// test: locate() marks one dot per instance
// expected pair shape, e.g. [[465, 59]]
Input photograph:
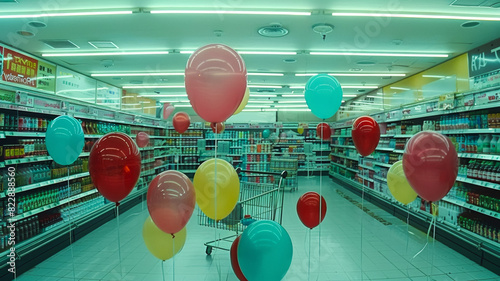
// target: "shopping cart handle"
[[282, 174]]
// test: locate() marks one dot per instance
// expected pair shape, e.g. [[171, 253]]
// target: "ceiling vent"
[[273, 30], [60, 44], [37, 24], [103, 44]]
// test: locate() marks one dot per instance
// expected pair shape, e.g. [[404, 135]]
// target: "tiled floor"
[[354, 246]]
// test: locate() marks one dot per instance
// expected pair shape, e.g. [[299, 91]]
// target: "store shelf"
[[486, 184], [147, 173], [382, 164], [184, 164], [51, 206], [234, 147], [185, 138], [148, 161], [386, 136], [222, 139], [341, 136], [256, 162], [346, 157], [399, 151], [402, 136], [177, 146], [24, 134], [479, 156], [146, 148], [367, 167], [365, 178], [161, 156], [470, 131], [32, 159], [384, 149], [379, 178], [162, 166], [345, 167], [321, 150], [345, 146], [478, 209], [160, 147], [252, 153], [45, 183]]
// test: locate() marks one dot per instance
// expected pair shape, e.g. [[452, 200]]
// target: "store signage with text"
[[485, 58], [46, 77], [19, 69], [46, 103]]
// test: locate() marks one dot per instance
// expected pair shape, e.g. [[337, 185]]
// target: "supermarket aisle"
[[387, 249]]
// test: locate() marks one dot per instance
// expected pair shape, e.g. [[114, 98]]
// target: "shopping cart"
[[258, 201]]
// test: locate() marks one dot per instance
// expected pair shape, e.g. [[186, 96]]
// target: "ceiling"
[[145, 31]]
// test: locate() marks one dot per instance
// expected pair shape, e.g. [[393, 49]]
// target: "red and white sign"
[[19, 69]]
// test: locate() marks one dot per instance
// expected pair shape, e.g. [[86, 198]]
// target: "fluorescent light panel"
[[183, 105], [292, 101], [135, 74], [252, 53], [259, 106], [291, 105], [356, 74], [343, 87], [262, 96], [260, 101], [104, 54], [265, 86], [227, 12], [154, 87], [265, 74], [69, 14], [424, 55], [161, 96], [418, 16]]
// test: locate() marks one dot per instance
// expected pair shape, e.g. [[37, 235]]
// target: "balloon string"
[[362, 211], [434, 214], [119, 244], [70, 235], [173, 258], [320, 201], [407, 237], [427, 242], [180, 151], [163, 269], [309, 267]]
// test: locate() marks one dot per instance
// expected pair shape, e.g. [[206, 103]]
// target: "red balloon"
[[115, 166], [234, 260], [167, 110], [430, 163], [171, 200], [216, 80], [217, 127], [308, 209], [181, 122], [365, 135], [142, 139], [323, 131]]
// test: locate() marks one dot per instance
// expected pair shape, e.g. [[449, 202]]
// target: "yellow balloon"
[[159, 243], [244, 102], [300, 130], [398, 184], [217, 188]]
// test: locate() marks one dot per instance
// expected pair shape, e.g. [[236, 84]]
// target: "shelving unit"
[[279, 164], [469, 213]]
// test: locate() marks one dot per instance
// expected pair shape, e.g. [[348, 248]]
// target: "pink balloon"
[[171, 200], [430, 163], [216, 80], [142, 139], [167, 110]]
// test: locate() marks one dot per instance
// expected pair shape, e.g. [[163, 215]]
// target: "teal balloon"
[[265, 251], [266, 133], [64, 139], [323, 95]]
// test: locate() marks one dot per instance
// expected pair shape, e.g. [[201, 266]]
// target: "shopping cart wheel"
[[208, 250]]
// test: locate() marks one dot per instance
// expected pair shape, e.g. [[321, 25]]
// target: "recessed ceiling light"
[[25, 33], [273, 30], [103, 44], [289, 60], [470, 24], [355, 69], [37, 24]]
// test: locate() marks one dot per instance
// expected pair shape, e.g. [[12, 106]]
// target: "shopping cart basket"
[[261, 198]]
